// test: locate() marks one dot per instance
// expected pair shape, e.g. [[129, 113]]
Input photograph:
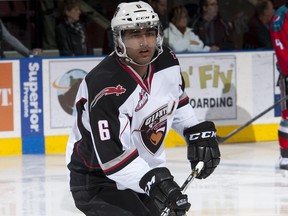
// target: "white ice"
[[246, 183]]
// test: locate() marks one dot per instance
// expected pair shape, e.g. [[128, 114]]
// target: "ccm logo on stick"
[[203, 135]]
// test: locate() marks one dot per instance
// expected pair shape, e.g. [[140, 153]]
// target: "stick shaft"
[[192, 175], [188, 180], [223, 139]]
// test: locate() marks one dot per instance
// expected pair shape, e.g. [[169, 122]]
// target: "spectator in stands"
[[160, 7], [192, 8], [15, 43], [108, 42], [48, 11], [70, 33], [212, 29], [258, 34], [178, 36]]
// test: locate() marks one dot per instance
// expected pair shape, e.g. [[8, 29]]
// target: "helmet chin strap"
[[127, 59]]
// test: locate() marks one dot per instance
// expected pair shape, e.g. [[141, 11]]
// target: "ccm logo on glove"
[[149, 185], [203, 135]]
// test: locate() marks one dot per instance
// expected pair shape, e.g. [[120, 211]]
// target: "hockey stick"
[[223, 139], [189, 179]]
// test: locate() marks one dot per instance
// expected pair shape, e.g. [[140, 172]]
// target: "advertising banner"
[[264, 83], [62, 79], [210, 83], [32, 106], [6, 97]]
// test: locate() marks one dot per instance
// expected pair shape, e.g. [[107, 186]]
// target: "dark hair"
[[202, 3], [261, 6], [67, 5], [176, 13]]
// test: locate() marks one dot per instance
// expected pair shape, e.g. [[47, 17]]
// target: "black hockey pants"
[[108, 201]]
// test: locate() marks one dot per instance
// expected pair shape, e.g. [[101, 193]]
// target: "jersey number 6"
[[104, 130]]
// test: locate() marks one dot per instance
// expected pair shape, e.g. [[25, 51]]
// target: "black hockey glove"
[[203, 146], [160, 186]]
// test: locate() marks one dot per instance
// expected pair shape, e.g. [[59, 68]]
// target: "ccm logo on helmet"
[[142, 18], [203, 135]]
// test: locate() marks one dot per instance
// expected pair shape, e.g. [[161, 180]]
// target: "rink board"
[[37, 97]]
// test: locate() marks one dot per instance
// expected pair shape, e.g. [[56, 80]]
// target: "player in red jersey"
[[279, 37]]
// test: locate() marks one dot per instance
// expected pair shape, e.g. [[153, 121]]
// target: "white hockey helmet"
[[135, 15]]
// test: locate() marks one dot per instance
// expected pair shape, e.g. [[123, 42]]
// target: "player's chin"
[[144, 61]]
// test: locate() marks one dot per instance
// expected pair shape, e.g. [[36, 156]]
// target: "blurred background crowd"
[[82, 27]]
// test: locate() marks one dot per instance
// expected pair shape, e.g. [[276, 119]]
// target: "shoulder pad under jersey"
[[278, 18]]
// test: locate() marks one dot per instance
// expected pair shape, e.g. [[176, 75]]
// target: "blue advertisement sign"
[[32, 128]]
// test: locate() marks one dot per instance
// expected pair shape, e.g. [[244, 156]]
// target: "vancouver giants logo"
[[143, 98], [108, 91], [153, 129]]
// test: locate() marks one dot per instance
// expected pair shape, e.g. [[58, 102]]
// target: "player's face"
[[140, 44]]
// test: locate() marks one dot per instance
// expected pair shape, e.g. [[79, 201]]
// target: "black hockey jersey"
[[122, 121]]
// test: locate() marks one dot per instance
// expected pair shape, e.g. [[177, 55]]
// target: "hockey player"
[[125, 107], [279, 37]]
